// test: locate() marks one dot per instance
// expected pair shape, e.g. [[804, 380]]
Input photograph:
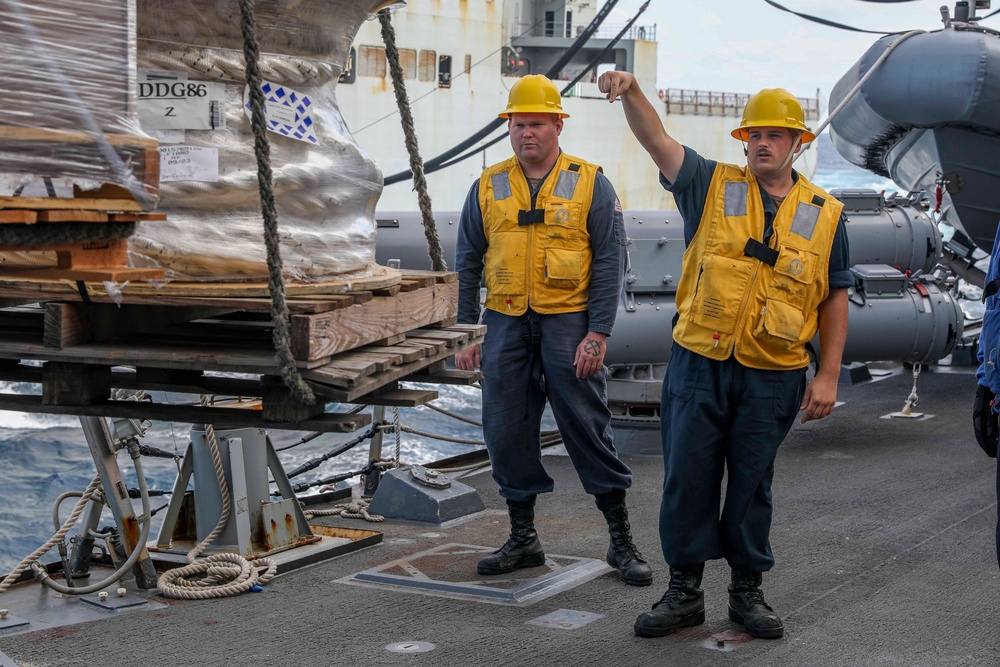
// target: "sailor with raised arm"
[[766, 267]]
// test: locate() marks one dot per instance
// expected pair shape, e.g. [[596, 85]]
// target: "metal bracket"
[[430, 478]]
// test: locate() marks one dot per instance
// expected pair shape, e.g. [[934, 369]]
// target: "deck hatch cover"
[[450, 571]]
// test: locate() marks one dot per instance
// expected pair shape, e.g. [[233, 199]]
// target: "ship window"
[[569, 23], [371, 61], [550, 24], [428, 65], [444, 72], [350, 69], [468, 64], [408, 61]]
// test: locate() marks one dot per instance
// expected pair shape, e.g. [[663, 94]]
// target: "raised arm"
[[645, 123]]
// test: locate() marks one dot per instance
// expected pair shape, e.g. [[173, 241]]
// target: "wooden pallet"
[[169, 347], [140, 153]]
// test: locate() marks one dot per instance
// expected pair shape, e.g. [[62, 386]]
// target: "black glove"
[[984, 421]]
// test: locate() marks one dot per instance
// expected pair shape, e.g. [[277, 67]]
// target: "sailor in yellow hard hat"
[[545, 230], [766, 267]]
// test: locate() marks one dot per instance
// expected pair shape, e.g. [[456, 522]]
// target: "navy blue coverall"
[[529, 357], [720, 416]]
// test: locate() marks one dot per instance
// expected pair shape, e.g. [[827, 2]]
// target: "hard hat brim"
[[531, 108], [743, 132]]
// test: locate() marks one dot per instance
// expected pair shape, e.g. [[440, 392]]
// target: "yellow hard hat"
[[534, 93], [773, 107]]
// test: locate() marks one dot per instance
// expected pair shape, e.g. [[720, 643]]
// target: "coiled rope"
[[222, 574]]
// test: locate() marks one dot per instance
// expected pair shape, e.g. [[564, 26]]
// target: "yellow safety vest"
[[731, 303], [537, 257]]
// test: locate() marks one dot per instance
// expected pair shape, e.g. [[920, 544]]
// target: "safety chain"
[[911, 400]]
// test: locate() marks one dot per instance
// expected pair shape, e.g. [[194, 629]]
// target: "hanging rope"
[[416, 162], [275, 280]]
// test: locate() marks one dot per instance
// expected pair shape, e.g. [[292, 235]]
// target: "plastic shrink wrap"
[[193, 96], [68, 121]]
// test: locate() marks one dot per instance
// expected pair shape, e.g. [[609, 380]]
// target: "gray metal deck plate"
[[565, 619], [446, 571]]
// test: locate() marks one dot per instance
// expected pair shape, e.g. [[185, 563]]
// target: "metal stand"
[[257, 526], [102, 449]]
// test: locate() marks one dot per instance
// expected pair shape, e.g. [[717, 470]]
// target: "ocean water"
[[45, 456]]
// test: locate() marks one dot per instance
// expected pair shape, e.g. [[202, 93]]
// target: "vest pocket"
[[722, 284], [794, 273], [563, 267], [780, 320], [505, 263], [562, 220]]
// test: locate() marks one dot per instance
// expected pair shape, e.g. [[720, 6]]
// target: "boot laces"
[[625, 543], [755, 596], [675, 592]]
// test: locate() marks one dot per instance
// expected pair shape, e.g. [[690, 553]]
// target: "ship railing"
[[712, 103], [637, 32]]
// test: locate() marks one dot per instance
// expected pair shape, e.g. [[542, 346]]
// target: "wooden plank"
[[447, 376], [220, 417], [75, 384], [12, 133], [325, 334], [405, 354], [65, 326], [402, 398], [72, 216], [450, 337], [18, 216], [434, 346], [80, 203], [390, 340], [391, 290], [279, 405], [438, 276], [136, 217], [366, 385]]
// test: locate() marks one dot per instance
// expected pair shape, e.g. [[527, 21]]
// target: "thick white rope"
[[57, 538]]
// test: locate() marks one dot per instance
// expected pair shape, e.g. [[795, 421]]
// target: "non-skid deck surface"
[[883, 536]]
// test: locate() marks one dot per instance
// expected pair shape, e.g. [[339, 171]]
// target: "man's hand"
[[469, 359], [590, 355], [821, 395], [615, 83]]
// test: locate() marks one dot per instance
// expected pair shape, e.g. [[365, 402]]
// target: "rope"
[[276, 282], [911, 400], [352, 510], [220, 474], [445, 438], [416, 162], [446, 413], [55, 539], [399, 435], [223, 574]]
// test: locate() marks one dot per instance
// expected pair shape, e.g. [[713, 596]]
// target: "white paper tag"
[[169, 101], [288, 112], [189, 163]]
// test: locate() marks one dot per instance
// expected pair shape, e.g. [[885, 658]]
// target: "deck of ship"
[[883, 535]]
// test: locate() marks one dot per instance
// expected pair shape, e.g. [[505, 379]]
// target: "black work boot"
[[682, 606], [622, 552], [522, 549], [747, 606]]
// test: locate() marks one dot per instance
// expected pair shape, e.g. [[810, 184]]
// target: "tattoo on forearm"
[[593, 347]]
